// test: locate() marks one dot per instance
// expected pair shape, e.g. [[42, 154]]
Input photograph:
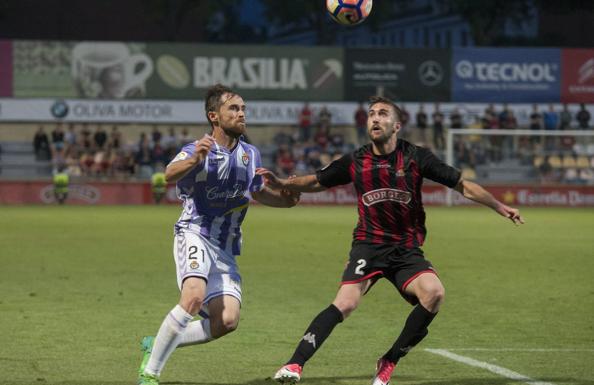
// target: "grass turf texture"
[[80, 286]]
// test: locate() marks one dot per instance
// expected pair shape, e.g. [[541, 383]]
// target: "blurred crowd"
[[316, 141], [104, 153]]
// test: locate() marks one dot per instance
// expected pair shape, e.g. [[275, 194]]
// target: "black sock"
[[315, 335], [415, 329]]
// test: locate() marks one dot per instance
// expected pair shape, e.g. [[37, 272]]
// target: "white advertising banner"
[[258, 112]]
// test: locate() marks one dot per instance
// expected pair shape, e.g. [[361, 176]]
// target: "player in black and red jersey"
[[387, 174]]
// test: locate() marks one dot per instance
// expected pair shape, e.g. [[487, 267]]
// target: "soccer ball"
[[349, 12]]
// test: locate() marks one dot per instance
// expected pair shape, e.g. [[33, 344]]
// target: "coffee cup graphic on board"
[[109, 71]]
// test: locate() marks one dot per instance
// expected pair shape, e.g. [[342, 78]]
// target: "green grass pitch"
[[79, 287]]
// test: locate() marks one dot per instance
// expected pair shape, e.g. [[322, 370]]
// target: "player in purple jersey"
[[214, 176], [387, 175]]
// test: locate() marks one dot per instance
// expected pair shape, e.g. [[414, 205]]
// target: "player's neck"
[[384, 148], [225, 140]]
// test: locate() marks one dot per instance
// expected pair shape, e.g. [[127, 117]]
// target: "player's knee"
[[346, 306], [432, 297], [225, 325]]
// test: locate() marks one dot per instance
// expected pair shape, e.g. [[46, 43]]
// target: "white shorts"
[[196, 256]]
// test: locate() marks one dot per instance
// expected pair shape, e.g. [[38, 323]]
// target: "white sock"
[[197, 332], [167, 339]]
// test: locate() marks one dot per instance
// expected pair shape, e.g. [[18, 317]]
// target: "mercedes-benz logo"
[[430, 73]]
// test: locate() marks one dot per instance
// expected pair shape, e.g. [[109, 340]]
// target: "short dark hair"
[[212, 100], [381, 99]]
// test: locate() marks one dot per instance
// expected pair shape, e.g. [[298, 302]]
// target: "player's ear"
[[397, 126], [213, 117]]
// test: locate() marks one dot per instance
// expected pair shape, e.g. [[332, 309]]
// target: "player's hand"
[[291, 197], [270, 179], [203, 146], [511, 213]]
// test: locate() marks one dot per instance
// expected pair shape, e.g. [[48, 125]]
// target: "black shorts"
[[397, 264]]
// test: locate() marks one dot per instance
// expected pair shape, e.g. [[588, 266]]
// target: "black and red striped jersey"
[[388, 189]]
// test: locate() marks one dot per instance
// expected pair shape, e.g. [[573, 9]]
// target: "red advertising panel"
[[120, 193], [5, 68], [577, 80]]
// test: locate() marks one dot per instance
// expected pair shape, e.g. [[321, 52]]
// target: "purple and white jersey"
[[214, 193]]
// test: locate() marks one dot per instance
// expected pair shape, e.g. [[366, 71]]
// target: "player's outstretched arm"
[[307, 183], [178, 168], [478, 194], [282, 198]]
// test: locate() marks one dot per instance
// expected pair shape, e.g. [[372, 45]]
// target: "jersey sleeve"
[[257, 183], [186, 152], [433, 168], [336, 173]]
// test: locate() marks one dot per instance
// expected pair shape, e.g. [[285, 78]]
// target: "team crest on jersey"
[[245, 159], [386, 194], [400, 172], [193, 265]]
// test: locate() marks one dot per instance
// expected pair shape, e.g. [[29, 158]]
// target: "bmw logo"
[[59, 109]]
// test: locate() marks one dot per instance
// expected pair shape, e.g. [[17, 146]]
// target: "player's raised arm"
[[182, 164], [478, 194], [307, 183]]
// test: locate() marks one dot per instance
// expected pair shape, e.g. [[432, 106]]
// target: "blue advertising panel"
[[502, 75]]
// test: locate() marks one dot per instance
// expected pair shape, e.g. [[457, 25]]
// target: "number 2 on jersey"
[[361, 263]]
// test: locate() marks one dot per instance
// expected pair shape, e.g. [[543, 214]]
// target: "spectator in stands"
[[115, 138], [58, 139], [503, 116], [156, 135], [551, 123], [305, 123], [438, 138], [490, 120], [456, 119], [565, 118], [58, 148], [535, 123], [509, 121], [583, 117], [85, 138], [41, 145], [100, 138], [361, 123], [551, 119], [546, 172], [285, 163], [421, 122], [313, 160], [322, 137], [70, 136], [158, 156], [185, 137], [170, 143], [144, 159], [325, 119]]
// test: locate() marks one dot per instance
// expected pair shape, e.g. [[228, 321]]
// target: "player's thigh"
[[192, 255], [193, 293], [407, 267]]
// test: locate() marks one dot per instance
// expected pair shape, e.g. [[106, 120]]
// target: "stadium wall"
[[139, 193]]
